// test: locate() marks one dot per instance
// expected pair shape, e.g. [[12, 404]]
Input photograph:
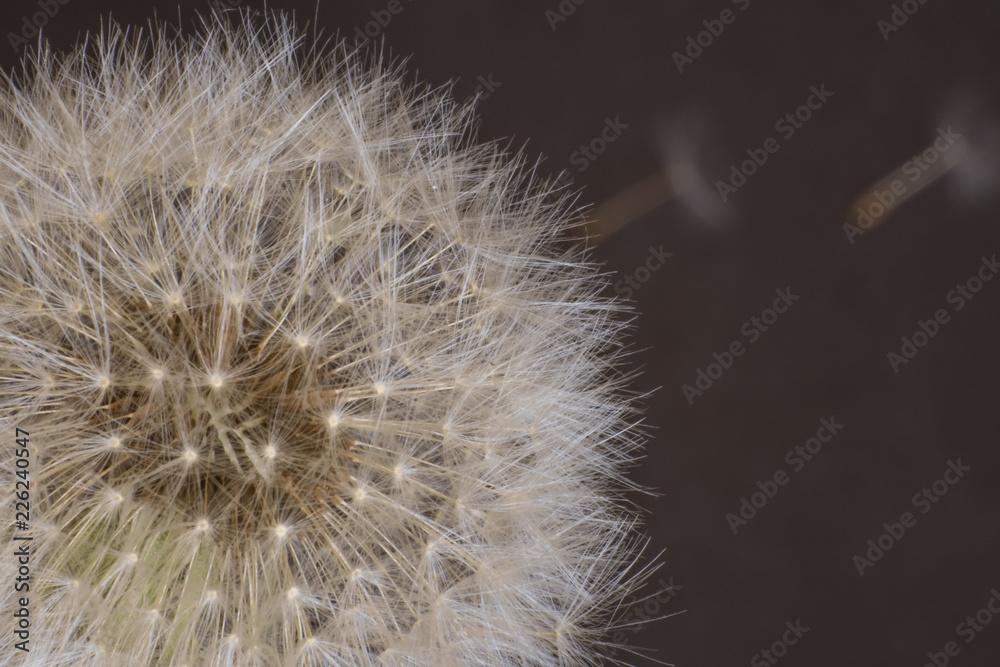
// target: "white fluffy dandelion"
[[308, 376]]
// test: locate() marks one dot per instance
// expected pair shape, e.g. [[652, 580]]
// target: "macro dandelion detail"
[[311, 377]]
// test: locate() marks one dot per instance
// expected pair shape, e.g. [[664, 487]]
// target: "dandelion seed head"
[[228, 247]]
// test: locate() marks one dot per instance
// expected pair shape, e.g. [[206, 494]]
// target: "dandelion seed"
[[264, 270]]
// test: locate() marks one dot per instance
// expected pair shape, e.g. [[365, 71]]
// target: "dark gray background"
[[825, 357]]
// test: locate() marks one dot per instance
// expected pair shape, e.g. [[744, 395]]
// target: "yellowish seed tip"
[[114, 442], [379, 388], [280, 530], [293, 593], [103, 382], [270, 452], [216, 381], [157, 373], [132, 558], [190, 456]]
